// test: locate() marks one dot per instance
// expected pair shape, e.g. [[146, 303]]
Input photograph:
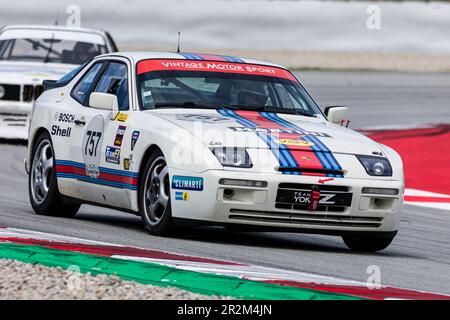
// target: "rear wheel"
[[154, 196], [367, 243], [42, 184]]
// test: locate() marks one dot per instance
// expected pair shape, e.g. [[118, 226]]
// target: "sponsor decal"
[[206, 118], [128, 163], [134, 138], [112, 155], [121, 116], [92, 171], [64, 117], [119, 136], [187, 183], [304, 197], [58, 131], [182, 196], [215, 143], [212, 66], [294, 142], [280, 131], [306, 158]]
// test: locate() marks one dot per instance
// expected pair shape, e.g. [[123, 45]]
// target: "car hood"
[[250, 129], [31, 73]]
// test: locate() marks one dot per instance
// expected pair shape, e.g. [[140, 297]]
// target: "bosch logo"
[[64, 117]]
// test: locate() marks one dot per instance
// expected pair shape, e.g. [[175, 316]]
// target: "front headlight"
[[376, 166], [2, 91], [232, 157]]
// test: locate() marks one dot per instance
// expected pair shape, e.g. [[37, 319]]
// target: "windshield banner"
[[213, 66]]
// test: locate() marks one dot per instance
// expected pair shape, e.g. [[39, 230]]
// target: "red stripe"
[[364, 292], [103, 175], [212, 66], [211, 57], [303, 155], [105, 250], [427, 199]]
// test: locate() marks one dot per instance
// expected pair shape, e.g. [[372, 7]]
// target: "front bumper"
[[256, 207], [15, 107]]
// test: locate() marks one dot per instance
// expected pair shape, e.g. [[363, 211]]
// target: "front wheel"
[[154, 196], [42, 184], [367, 243]]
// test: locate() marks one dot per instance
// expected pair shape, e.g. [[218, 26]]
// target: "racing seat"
[[122, 95]]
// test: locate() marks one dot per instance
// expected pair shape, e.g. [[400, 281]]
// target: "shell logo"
[[295, 142]]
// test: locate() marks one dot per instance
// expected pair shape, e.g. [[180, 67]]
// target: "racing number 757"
[[92, 142]]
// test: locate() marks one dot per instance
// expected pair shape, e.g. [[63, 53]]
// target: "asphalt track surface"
[[383, 99], [419, 257]]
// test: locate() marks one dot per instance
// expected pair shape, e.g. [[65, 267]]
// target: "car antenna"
[[57, 17], [178, 48]]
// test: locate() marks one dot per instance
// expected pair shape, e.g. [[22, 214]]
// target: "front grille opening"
[[306, 219], [38, 91], [12, 92], [27, 94]]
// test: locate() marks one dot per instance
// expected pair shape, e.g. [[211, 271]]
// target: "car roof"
[[52, 27], [136, 56]]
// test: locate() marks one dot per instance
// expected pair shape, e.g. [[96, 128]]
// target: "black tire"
[[159, 221], [367, 243], [48, 203]]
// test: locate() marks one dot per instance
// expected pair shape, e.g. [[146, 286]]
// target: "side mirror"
[[104, 101], [336, 114], [49, 84]]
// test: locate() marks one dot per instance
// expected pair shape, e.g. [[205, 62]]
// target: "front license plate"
[[304, 197]]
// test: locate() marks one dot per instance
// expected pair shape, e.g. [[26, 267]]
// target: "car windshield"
[[236, 90], [49, 50]]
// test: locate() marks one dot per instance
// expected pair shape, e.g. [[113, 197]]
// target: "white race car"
[[192, 139], [30, 53]]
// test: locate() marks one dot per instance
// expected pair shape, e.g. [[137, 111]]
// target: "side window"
[[82, 89], [115, 81]]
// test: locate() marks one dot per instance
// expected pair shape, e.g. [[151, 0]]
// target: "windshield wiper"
[[50, 49], [187, 104], [270, 109]]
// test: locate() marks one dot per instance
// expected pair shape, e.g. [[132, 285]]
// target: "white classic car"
[[29, 54], [184, 138]]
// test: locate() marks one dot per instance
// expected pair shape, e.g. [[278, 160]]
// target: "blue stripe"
[[232, 59], [191, 56], [121, 173], [290, 158], [70, 164], [284, 156], [324, 154], [97, 181]]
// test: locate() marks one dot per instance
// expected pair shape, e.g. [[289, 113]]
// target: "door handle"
[[79, 122]]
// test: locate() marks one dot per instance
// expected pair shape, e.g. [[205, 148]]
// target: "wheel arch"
[[37, 133]]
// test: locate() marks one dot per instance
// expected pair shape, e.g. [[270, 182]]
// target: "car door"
[[97, 137]]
